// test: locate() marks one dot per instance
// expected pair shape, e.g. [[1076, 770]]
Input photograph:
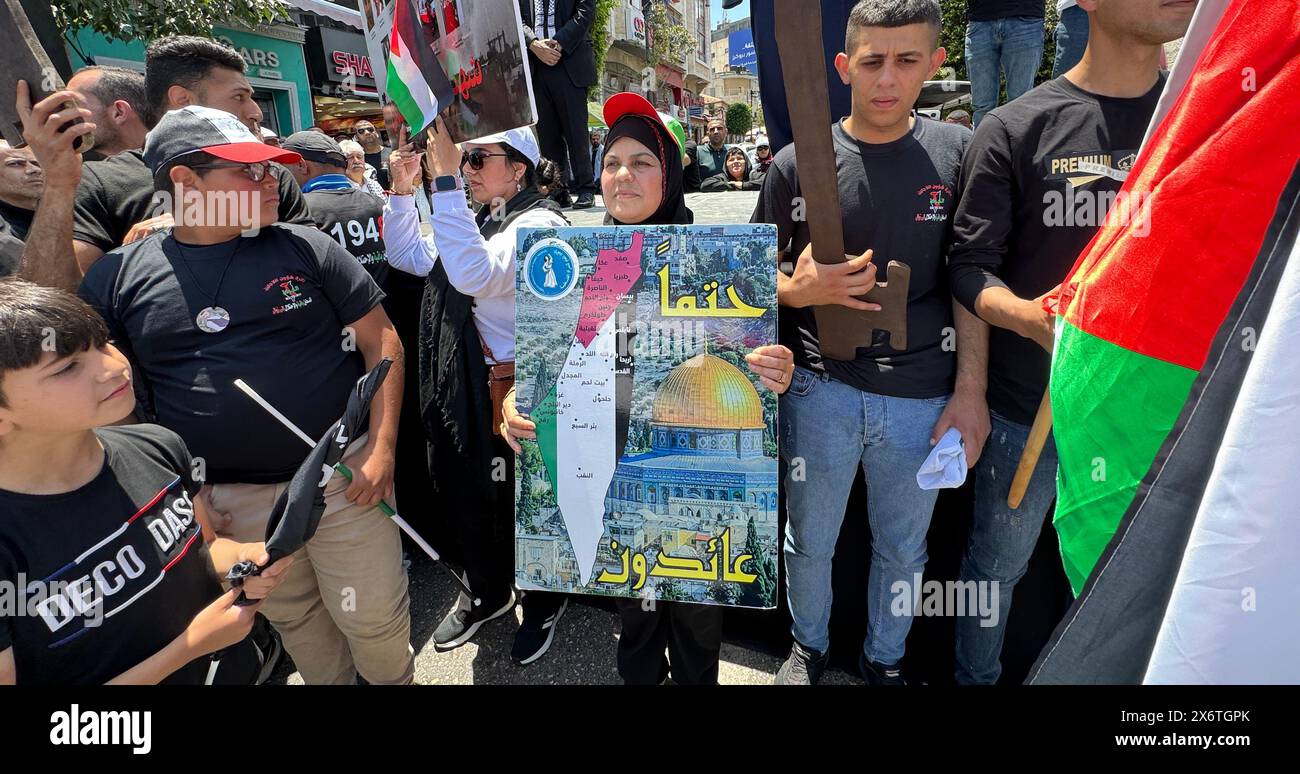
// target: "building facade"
[[273, 55], [673, 87]]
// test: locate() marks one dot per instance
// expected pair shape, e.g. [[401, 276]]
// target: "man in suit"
[[557, 34]]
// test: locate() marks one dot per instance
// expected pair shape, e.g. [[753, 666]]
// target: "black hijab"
[[653, 135]]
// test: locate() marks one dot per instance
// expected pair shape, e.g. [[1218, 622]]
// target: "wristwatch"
[[446, 183]]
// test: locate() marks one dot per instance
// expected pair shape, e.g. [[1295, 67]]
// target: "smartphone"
[[23, 59]]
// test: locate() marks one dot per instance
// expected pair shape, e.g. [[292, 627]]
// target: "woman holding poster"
[[641, 183], [467, 333]]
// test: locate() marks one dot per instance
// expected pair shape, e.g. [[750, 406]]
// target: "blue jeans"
[[1001, 542], [1011, 47], [828, 429], [1071, 39]]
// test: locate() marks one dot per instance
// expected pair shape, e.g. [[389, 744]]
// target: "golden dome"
[[707, 391]]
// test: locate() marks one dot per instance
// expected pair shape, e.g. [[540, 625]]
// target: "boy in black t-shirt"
[[108, 561], [1041, 174], [882, 411]]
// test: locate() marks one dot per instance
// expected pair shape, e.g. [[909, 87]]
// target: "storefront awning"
[[327, 9], [670, 76]]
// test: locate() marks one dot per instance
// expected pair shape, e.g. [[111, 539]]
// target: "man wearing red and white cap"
[[225, 296]]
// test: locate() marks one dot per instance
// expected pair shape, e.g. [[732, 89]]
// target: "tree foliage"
[[740, 119], [128, 20]]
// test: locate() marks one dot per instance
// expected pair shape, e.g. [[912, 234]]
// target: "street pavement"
[[586, 638]]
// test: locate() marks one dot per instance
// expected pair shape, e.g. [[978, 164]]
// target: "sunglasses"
[[477, 158], [256, 170]]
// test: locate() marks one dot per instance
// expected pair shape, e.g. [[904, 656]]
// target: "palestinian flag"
[[1174, 382], [417, 83], [592, 394]]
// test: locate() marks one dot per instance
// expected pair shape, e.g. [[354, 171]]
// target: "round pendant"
[[213, 319]]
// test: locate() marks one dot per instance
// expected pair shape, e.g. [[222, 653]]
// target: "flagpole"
[[344, 471], [1033, 449]]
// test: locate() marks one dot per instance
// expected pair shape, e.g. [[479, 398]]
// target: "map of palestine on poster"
[[654, 472]]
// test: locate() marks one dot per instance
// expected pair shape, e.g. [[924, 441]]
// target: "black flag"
[[298, 510]]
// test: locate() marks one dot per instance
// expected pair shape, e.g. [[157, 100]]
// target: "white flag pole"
[[343, 469]]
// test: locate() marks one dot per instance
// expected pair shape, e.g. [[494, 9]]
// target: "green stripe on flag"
[[400, 95], [1112, 409], [543, 415]]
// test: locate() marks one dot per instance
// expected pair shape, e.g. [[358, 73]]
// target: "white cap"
[[267, 132], [521, 139]]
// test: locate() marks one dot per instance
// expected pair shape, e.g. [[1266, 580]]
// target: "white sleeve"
[[475, 266], [407, 250]]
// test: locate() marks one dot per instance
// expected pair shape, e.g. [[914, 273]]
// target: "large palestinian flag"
[[1174, 381]]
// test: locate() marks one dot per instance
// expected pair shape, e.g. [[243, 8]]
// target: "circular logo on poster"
[[551, 269]]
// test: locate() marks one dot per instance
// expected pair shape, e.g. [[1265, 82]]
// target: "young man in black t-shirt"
[[115, 201], [286, 309], [109, 562], [897, 178], [1040, 177]]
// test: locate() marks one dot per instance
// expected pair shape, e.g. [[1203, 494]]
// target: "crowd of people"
[[134, 474]]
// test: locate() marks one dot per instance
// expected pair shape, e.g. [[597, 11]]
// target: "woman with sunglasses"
[[467, 333], [642, 184]]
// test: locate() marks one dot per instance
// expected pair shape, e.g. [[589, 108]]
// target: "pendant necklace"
[[212, 318]]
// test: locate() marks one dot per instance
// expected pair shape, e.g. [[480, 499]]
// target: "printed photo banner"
[[654, 472], [477, 75]]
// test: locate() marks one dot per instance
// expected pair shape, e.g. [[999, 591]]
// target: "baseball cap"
[[629, 103], [196, 128], [521, 139], [315, 146]]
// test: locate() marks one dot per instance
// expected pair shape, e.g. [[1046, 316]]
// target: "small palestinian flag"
[[1174, 382], [417, 83]]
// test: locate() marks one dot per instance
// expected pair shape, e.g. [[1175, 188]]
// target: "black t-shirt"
[[355, 218], [988, 10], [379, 160], [1040, 176], [129, 554], [17, 220], [896, 198], [117, 193], [289, 292]]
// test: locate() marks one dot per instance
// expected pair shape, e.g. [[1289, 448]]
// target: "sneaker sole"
[[466, 635], [550, 635]]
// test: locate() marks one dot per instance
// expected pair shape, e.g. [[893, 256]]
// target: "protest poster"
[[654, 472], [478, 73]]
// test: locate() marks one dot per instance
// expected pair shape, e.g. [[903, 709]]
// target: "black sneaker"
[[562, 198], [536, 632], [584, 201], [463, 622], [803, 667], [879, 674]]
